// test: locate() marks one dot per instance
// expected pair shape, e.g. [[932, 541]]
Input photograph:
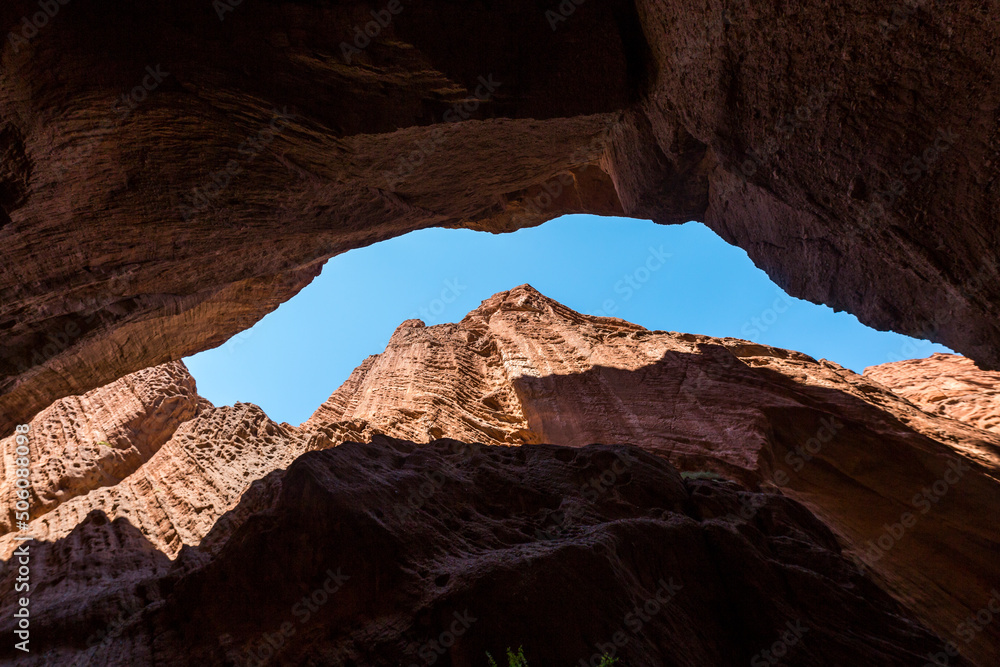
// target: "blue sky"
[[675, 278]]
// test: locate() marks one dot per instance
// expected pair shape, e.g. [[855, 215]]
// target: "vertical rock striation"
[[524, 369], [890, 480], [82, 443], [850, 148], [198, 475]]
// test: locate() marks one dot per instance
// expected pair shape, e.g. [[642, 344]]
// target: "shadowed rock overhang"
[[173, 172]]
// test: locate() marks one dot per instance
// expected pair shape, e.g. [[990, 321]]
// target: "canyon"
[[527, 476], [851, 150]]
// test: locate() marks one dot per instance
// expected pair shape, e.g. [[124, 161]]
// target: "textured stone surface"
[[801, 135], [945, 384], [506, 551], [523, 369], [87, 588], [199, 474], [81, 443]]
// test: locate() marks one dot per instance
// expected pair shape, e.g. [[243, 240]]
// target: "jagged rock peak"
[[522, 369]]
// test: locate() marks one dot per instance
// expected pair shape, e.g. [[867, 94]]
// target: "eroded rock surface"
[[523, 368], [850, 148], [891, 481], [82, 443], [945, 384], [508, 549], [181, 491]]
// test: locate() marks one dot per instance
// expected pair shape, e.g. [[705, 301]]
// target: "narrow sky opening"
[[675, 278]]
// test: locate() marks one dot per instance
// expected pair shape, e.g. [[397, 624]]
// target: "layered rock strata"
[[892, 481], [523, 368], [82, 443], [178, 495], [171, 173], [947, 385]]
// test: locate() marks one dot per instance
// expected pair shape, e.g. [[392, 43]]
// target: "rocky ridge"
[[82, 443], [523, 368], [520, 370]]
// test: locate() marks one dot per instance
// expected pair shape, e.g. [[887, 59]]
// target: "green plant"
[[518, 659], [700, 474], [513, 659]]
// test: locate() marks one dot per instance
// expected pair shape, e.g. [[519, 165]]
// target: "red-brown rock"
[[520, 370], [523, 368], [850, 148], [945, 384], [82, 443], [508, 549]]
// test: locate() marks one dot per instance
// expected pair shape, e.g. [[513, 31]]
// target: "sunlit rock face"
[[889, 481], [945, 384], [176, 496], [523, 368], [171, 172], [82, 443]]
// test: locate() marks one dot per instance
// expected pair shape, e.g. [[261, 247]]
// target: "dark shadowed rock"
[[523, 369], [508, 547]]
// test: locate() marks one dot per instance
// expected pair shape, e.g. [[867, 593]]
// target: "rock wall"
[[523, 369], [947, 385], [82, 443], [890, 480], [171, 173], [334, 567], [176, 497]]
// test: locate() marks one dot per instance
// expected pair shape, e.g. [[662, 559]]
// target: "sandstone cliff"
[[171, 172], [892, 482], [179, 493], [523, 368], [82, 443], [335, 566], [945, 384]]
